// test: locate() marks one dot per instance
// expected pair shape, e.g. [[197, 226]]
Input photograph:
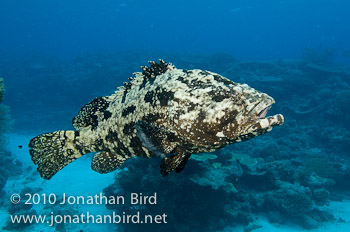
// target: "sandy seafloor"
[[78, 179]]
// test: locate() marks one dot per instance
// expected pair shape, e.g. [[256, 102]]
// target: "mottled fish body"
[[163, 111]]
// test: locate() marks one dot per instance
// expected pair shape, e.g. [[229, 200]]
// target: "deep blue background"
[[247, 29], [57, 55]]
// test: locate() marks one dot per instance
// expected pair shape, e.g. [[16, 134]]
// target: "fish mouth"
[[271, 121], [260, 124], [263, 112], [260, 110], [263, 125], [262, 120]]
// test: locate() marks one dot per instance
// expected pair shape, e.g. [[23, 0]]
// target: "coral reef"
[[5, 119], [319, 56], [290, 175], [5, 123], [186, 203], [8, 166], [292, 199], [2, 89], [233, 191]]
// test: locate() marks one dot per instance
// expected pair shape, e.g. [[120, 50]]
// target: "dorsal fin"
[[88, 114], [147, 74], [83, 119], [156, 69]]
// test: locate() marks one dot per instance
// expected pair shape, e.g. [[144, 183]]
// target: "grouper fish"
[[161, 112]]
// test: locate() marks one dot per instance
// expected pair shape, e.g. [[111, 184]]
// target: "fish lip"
[[274, 120], [270, 122], [267, 122]]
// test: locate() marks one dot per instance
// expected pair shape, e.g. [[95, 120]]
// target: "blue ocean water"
[[56, 56]]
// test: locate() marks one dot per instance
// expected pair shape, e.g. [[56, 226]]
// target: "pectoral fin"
[[155, 138], [177, 162]]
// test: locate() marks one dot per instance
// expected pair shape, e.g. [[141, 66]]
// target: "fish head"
[[227, 113], [248, 114]]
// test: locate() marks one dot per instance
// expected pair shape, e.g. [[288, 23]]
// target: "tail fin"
[[53, 151]]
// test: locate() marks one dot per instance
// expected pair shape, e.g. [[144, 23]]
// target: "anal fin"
[[105, 162]]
